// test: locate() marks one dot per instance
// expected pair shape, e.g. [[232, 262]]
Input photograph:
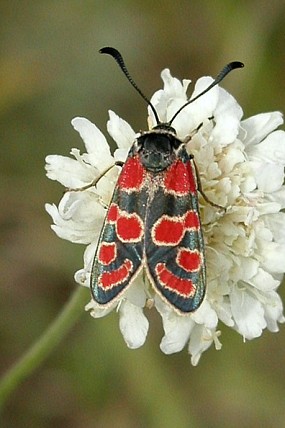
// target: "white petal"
[[120, 155], [257, 127], [177, 332], [74, 218], [267, 160], [275, 222], [231, 158], [95, 142], [69, 172], [264, 281], [273, 311], [133, 324], [88, 257], [272, 149], [81, 278], [167, 101], [159, 101], [205, 315], [200, 340], [207, 103], [248, 184], [163, 308], [105, 186], [227, 117], [120, 131], [278, 196], [268, 207], [269, 177], [136, 293], [173, 87], [224, 312], [272, 256], [247, 268], [197, 112], [248, 313]]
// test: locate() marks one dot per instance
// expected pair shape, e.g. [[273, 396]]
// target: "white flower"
[[241, 167]]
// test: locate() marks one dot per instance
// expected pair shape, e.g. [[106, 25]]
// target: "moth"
[[153, 221]]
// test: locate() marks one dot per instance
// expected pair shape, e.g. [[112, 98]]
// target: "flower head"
[[241, 167]]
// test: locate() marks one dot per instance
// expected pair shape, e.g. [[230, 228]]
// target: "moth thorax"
[[156, 151]]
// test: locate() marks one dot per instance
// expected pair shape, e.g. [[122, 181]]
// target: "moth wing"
[[174, 244], [119, 253]]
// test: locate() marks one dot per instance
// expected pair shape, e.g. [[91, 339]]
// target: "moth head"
[[157, 150]]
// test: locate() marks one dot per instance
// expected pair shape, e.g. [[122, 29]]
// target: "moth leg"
[[195, 131], [199, 187], [190, 136], [199, 184], [95, 181]]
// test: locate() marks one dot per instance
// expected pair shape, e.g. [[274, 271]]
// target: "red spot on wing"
[[168, 231], [117, 276], [129, 227], [191, 220], [107, 253], [113, 213], [180, 179], [189, 260], [181, 286], [132, 175]]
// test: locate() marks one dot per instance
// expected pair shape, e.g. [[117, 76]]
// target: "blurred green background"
[[50, 71]]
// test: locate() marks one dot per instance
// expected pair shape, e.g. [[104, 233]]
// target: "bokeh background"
[[51, 71]]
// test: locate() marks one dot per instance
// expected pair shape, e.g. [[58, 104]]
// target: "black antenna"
[[119, 59], [226, 70]]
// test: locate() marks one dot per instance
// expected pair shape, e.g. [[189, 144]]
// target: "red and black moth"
[[153, 221]]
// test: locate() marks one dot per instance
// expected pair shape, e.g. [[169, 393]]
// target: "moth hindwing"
[[153, 224]]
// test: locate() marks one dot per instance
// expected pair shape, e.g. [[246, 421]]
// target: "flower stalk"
[[43, 347]]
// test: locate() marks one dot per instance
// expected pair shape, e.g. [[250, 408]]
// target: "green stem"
[[44, 345]]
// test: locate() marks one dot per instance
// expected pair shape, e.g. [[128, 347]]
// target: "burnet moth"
[[153, 221]]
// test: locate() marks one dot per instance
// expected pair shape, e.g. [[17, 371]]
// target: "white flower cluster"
[[241, 167]]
